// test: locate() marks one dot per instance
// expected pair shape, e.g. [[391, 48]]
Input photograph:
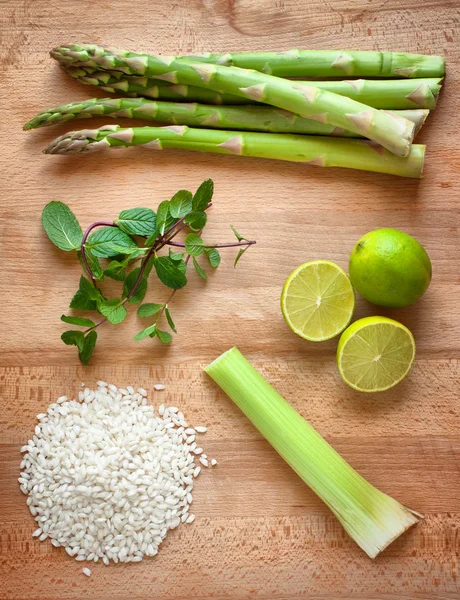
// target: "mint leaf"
[[140, 292], [180, 204], [162, 217], [194, 244], [196, 220], [82, 302], [170, 273], [120, 251], [78, 321], [238, 236], [73, 337], [85, 353], [141, 289], [88, 288], [113, 310], [198, 269], [213, 257], [239, 255], [176, 257], [86, 297], [148, 266], [181, 265], [137, 221], [61, 226], [164, 336], [203, 195], [170, 221], [148, 309], [148, 331], [109, 241], [164, 221], [152, 239], [169, 319], [93, 264], [115, 270]]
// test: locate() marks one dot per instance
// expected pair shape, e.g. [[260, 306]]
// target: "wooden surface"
[[259, 533]]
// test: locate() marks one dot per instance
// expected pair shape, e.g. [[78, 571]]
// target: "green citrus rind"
[[390, 268]]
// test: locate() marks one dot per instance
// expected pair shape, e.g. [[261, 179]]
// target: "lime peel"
[[390, 268]]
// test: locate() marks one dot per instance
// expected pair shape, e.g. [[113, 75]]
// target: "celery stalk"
[[369, 516]]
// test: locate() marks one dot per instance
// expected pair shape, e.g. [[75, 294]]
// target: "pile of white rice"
[[106, 477]]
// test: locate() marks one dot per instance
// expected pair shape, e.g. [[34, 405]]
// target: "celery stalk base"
[[372, 518]]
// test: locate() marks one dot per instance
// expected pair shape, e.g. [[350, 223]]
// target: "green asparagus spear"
[[313, 150], [116, 82], [255, 118], [330, 63], [393, 132], [387, 93]]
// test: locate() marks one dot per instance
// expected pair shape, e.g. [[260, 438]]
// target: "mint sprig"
[[112, 248]]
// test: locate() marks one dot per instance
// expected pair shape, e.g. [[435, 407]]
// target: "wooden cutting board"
[[260, 532]]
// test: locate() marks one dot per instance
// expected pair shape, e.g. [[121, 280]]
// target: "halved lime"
[[318, 300], [375, 353]]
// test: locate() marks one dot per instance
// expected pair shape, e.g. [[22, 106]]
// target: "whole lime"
[[390, 268]]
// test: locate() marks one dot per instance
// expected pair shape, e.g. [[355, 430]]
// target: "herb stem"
[[170, 230], [165, 304], [181, 221], [171, 295], [160, 242], [95, 326], [141, 273], [83, 242], [227, 245], [158, 245]]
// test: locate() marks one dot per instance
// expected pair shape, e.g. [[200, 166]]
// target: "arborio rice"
[[107, 478]]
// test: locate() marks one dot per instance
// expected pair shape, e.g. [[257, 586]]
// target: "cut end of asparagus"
[[418, 116], [373, 519]]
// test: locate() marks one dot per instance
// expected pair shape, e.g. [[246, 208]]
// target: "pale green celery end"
[[371, 518]]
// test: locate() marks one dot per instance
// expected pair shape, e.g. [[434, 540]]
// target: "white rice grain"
[[106, 477]]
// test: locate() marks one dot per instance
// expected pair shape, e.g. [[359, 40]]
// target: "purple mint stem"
[[159, 243], [227, 245], [83, 242]]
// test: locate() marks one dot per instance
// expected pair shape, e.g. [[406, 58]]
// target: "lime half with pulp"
[[375, 353], [318, 300]]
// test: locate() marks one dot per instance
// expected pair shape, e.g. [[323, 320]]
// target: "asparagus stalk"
[[255, 118], [373, 519], [330, 63], [313, 150], [117, 82], [390, 94], [394, 133]]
